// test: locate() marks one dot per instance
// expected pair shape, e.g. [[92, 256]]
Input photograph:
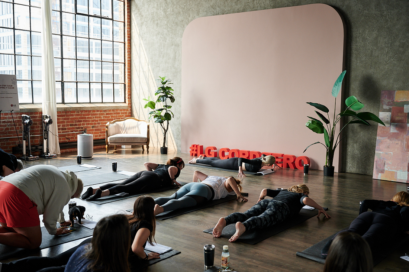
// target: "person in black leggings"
[[156, 176], [382, 227], [269, 212], [239, 164]]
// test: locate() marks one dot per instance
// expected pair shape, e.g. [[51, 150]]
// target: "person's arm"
[[267, 192], [310, 202], [233, 185], [173, 170], [243, 160], [199, 176], [137, 245], [150, 166], [7, 171], [371, 204]]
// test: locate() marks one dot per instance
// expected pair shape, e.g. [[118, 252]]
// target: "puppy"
[[76, 212]]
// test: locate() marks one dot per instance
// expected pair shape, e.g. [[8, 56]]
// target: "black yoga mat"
[[92, 178], [139, 265], [313, 253], [171, 214], [217, 168], [77, 168], [48, 241], [122, 196], [255, 236]]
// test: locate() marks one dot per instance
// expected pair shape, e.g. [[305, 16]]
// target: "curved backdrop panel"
[[246, 78]]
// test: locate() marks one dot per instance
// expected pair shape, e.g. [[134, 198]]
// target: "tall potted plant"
[[327, 126], [162, 115]]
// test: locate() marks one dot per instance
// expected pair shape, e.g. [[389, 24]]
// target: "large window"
[[89, 49]]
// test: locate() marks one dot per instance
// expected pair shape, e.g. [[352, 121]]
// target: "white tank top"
[[217, 184]]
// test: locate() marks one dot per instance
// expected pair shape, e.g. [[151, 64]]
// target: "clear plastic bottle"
[[225, 257]]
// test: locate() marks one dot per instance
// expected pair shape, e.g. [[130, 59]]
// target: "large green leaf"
[[313, 144], [172, 98], [362, 121], [161, 98], [338, 84], [315, 126], [314, 119], [354, 103], [167, 106], [158, 120], [358, 121], [150, 104], [319, 106], [370, 116], [322, 117], [348, 113], [167, 116], [326, 138]]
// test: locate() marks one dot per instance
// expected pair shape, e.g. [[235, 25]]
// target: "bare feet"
[[201, 157], [217, 231], [192, 161], [158, 209], [240, 229]]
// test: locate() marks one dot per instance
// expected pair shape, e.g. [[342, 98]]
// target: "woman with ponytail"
[[203, 188], [156, 177], [269, 212]]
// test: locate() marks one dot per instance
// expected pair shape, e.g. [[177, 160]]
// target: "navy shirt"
[[293, 200], [78, 262]]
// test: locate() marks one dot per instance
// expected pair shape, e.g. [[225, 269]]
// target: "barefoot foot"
[[193, 160], [240, 229], [158, 209], [201, 157], [217, 231]]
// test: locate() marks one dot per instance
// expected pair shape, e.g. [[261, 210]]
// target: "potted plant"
[[327, 126], [162, 114]]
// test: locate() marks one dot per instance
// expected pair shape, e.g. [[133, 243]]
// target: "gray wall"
[[377, 55]]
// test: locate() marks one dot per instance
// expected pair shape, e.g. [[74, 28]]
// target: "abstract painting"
[[392, 142]]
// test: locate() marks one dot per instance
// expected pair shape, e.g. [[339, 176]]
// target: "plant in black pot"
[[162, 115], [327, 126]]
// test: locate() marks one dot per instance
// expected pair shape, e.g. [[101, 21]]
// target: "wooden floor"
[[340, 194]]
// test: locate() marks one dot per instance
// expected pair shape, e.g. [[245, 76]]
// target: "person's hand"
[[153, 255], [65, 224], [241, 175], [242, 199], [263, 194], [322, 211], [61, 231], [176, 183]]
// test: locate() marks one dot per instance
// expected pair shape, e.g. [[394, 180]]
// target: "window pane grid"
[[88, 49]]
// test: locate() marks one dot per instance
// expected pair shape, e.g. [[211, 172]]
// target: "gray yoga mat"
[[96, 177], [122, 196], [48, 241], [77, 168], [171, 214], [313, 253], [255, 236]]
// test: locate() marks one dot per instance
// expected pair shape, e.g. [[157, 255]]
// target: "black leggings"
[[232, 163], [43, 264], [141, 182]]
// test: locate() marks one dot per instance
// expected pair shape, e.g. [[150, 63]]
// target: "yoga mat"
[[217, 168], [77, 168], [138, 265], [313, 253], [255, 236], [92, 178], [48, 241], [113, 198]]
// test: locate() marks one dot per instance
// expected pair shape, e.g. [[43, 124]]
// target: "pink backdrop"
[[246, 78]]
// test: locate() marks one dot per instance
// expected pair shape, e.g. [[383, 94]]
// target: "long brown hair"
[[300, 188], [402, 198], [349, 252], [238, 182], [110, 245], [143, 210], [176, 161]]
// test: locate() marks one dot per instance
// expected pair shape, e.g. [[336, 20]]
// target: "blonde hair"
[[238, 181], [80, 187], [300, 188], [269, 160], [402, 198]]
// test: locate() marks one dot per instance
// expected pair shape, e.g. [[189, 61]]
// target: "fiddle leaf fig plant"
[[324, 125], [162, 115]]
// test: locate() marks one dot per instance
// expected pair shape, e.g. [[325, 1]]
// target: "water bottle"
[[225, 257]]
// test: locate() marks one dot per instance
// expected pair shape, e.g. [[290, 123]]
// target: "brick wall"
[[93, 120]]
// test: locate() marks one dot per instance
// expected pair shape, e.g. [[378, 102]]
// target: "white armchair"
[[127, 131]]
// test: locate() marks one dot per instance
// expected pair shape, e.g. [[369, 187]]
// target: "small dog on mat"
[[76, 212]]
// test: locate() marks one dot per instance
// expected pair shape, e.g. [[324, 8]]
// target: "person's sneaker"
[[87, 193], [95, 196]]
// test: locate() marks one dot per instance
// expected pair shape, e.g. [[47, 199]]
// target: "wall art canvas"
[[392, 141]]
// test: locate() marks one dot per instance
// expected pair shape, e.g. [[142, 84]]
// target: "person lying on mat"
[[9, 164], [382, 227], [139, 229], [197, 193], [41, 189], [239, 164], [156, 176], [349, 252], [268, 212]]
